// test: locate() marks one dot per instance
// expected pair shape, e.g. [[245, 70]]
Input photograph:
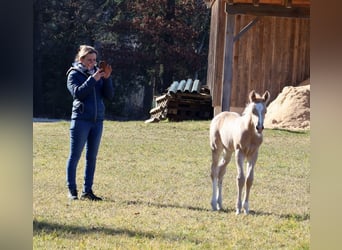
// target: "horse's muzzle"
[[259, 129]]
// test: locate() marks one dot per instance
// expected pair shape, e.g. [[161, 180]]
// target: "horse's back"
[[223, 119]]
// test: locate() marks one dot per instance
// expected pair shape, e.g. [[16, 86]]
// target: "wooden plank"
[[209, 3], [307, 52], [267, 50], [273, 2], [220, 52], [228, 63], [300, 54], [236, 72], [256, 57], [305, 30], [249, 66], [291, 51], [243, 63], [256, 2], [215, 55], [288, 3], [295, 51], [285, 41], [272, 69], [262, 40], [162, 98], [268, 10], [301, 2], [212, 51], [277, 60]]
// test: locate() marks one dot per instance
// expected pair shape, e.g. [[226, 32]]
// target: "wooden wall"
[[274, 53]]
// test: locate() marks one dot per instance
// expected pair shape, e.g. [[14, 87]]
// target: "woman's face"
[[89, 61]]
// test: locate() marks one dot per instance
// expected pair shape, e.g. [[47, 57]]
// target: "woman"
[[88, 85]]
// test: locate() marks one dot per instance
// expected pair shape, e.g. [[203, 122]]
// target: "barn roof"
[[285, 8], [288, 3]]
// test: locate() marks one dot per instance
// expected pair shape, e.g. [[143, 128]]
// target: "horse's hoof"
[[238, 211], [214, 207], [246, 208]]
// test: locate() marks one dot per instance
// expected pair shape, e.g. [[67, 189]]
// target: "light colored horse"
[[230, 132]]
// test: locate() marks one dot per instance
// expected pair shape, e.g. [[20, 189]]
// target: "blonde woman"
[[88, 85]]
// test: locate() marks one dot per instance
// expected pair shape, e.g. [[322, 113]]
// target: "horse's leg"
[[222, 170], [214, 177], [240, 178], [249, 180]]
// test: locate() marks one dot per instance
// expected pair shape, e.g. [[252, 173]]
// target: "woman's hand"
[[98, 74], [107, 71]]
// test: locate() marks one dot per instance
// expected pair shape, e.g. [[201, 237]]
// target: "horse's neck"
[[248, 122]]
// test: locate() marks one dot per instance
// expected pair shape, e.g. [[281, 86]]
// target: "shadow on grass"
[[297, 217], [48, 227], [68, 231], [291, 131], [160, 205]]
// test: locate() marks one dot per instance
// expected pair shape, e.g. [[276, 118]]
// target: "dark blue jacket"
[[88, 94]]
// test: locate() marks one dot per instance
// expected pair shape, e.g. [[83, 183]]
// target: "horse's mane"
[[248, 108]]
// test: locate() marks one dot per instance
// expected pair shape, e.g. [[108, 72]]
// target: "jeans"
[[83, 133]]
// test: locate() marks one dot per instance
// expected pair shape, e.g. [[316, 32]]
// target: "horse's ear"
[[266, 96], [252, 96]]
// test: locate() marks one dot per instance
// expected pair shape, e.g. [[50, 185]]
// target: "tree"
[[170, 33], [148, 43]]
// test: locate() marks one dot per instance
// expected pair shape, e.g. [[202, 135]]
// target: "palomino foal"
[[230, 132]]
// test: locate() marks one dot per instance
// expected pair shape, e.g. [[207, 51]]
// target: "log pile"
[[184, 100]]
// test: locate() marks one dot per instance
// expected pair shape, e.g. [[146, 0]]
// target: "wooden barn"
[[256, 44]]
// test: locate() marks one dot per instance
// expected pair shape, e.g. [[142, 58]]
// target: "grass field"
[[155, 180]]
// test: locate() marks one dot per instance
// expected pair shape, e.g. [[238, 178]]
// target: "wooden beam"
[[228, 63], [288, 3], [209, 3], [256, 2], [246, 28], [268, 10]]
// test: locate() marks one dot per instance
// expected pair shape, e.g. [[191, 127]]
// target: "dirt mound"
[[291, 108]]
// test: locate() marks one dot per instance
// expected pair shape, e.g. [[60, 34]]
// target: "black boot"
[[90, 196]]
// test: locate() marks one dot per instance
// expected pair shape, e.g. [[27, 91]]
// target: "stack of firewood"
[[184, 100]]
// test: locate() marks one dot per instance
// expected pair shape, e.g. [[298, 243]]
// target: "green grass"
[[155, 180]]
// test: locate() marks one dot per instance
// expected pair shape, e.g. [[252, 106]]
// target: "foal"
[[230, 132]]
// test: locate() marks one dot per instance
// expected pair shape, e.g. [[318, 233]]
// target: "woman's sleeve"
[[79, 88]]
